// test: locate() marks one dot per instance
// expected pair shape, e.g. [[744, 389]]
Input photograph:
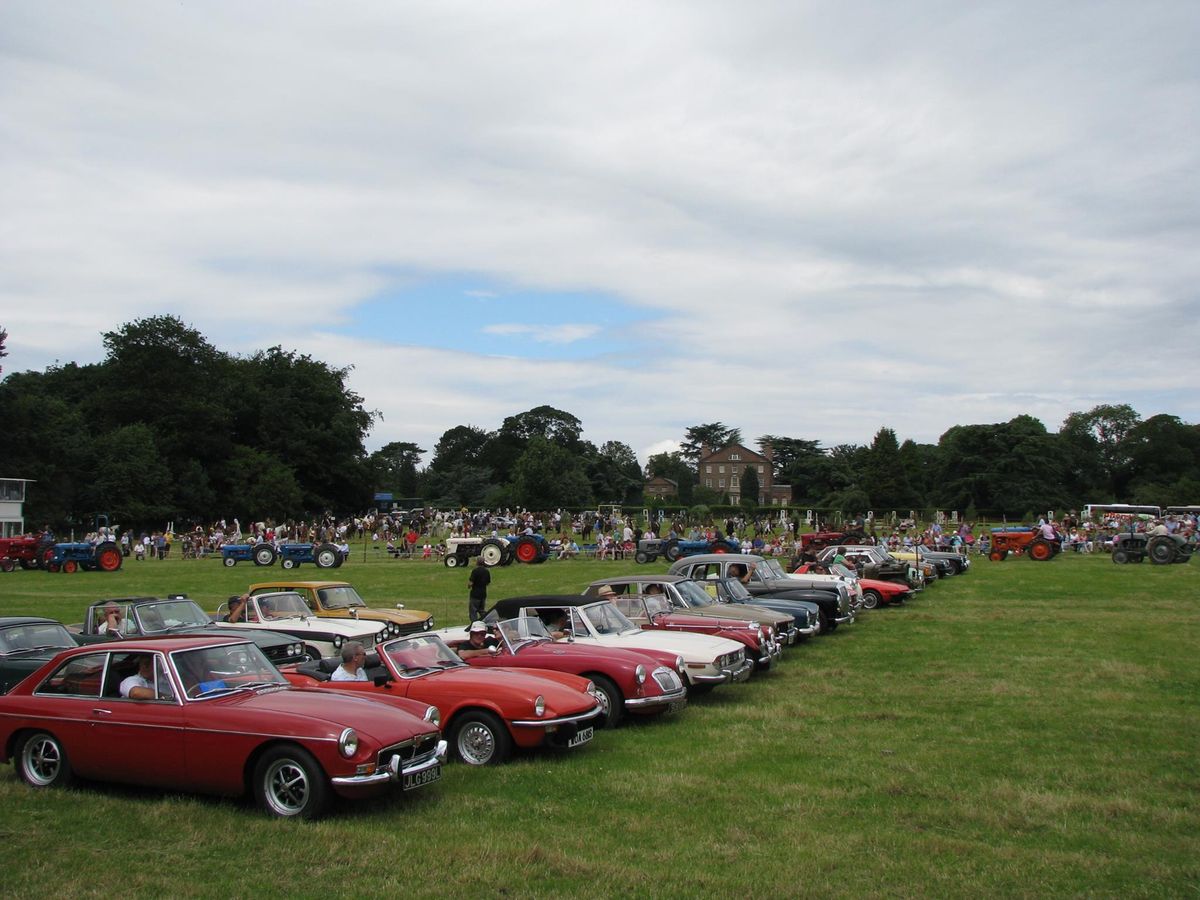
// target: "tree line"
[[169, 428]]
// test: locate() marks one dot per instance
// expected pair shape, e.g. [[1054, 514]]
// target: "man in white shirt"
[[141, 685], [351, 669]]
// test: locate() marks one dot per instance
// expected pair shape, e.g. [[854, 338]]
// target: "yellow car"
[[340, 600]]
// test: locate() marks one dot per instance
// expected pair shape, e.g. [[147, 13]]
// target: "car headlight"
[[348, 742], [337, 641], [761, 637], [295, 649], [429, 623], [434, 715], [639, 674], [591, 688], [539, 706], [679, 667]]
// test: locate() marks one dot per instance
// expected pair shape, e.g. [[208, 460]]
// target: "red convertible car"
[[485, 713], [641, 682], [212, 715]]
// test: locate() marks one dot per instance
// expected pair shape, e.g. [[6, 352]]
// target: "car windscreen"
[[34, 636], [735, 590], [694, 594], [526, 630], [282, 606], [770, 568], [167, 614], [211, 671], [342, 597], [420, 654], [607, 619]]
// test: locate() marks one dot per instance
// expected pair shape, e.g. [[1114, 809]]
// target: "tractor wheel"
[[263, 554], [108, 557], [671, 550], [997, 555], [44, 553], [451, 561], [288, 563], [1041, 550], [28, 564], [7, 565], [341, 558], [526, 550], [326, 556], [52, 567], [641, 557], [718, 547], [229, 562], [70, 567], [1161, 551], [1120, 557], [492, 553]]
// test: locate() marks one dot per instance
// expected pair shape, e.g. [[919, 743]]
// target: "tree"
[[129, 481], [393, 468], [675, 467], [1095, 439], [749, 486], [3, 341], [883, 475], [548, 476], [462, 445], [265, 487], [553, 425], [614, 473], [714, 435], [785, 451]]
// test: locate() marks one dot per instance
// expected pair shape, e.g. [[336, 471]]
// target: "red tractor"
[[29, 551], [1022, 539]]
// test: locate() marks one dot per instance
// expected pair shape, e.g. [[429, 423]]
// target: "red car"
[[485, 713], [640, 682], [874, 591], [213, 715]]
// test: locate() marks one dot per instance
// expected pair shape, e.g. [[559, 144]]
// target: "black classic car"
[[175, 617], [26, 642]]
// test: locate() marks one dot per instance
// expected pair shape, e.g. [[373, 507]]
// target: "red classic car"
[[484, 712], [641, 682], [874, 591], [213, 715]]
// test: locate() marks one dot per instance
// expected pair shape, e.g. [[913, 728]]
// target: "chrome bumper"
[[730, 674], [561, 720], [642, 702], [394, 772], [842, 620]]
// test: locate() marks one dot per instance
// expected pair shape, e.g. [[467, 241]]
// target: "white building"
[[12, 503]]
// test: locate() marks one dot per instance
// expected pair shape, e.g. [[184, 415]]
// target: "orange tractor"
[[1022, 539]]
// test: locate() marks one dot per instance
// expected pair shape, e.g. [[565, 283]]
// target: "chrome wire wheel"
[[287, 787], [476, 744]]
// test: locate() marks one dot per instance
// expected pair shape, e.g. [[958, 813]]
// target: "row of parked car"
[[246, 700]]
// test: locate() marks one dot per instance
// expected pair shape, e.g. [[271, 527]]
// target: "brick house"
[[722, 470], [660, 487]]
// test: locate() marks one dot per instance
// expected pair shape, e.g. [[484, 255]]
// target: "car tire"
[[263, 555], [1120, 557], [611, 699], [641, 557], [480, 739], [671, 550], [42, 762], [326, 556], [871, 599], [229, 562], [492, 553], [1161, 551], [290, 783]]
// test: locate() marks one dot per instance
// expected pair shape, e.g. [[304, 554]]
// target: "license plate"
[[582, 737], [419, 779], [675, 706]]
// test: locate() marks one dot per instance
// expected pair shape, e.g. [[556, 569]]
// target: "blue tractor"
[[673, 548]]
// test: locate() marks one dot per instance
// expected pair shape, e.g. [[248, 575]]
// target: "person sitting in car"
[[352, 668], [478, 643], [112, 621], [140, 685]]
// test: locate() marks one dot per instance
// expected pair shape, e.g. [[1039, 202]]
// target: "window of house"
[[708, 482], [708, 470], [733, 482], [721, 469], [760, 470], [735, 456], [722, 483]]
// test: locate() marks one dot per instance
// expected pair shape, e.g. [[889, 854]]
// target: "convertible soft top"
[[510, 607]]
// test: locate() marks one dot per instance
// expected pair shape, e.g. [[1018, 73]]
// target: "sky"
[[799, 218]]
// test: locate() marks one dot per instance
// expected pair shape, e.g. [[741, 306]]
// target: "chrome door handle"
[[101, 712]]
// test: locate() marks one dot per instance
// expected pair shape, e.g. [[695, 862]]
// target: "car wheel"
[[641, 557], [1120, 557], [1161, 551], [108, 557], [264, 555], [230, 562], [671, 550], [492, 553], [871, 599], [480, 739], [610, 699], [42, 761], [451, 561], [288, 563], [326, 556], [289, 783]]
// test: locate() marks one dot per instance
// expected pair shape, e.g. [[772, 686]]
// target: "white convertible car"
[[286, 611]]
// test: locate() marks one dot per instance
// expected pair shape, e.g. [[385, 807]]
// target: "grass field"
[[1027, 729]]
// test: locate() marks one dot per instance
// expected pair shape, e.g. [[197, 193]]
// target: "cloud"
[[833, 216]]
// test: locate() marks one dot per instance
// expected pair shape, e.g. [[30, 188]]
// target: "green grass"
[[1027, 729]]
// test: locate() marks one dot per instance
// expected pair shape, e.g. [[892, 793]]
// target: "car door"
[[141, 740]]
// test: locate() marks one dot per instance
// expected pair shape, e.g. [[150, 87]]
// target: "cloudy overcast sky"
[[810, 219]]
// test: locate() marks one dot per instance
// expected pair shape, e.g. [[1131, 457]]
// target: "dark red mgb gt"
[[211, 714]]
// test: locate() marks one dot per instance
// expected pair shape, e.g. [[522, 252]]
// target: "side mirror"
[[399, 606], [381, 680]]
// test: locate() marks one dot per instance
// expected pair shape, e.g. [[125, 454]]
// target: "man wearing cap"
[[479, 642]]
